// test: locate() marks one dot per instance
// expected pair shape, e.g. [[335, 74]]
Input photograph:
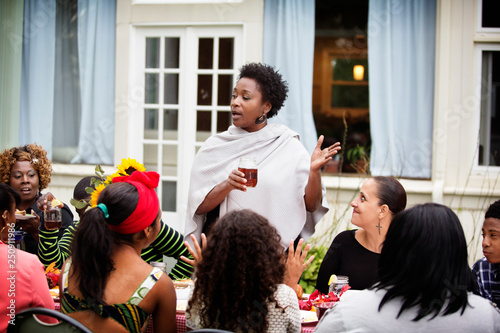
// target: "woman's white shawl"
[[283, 171]]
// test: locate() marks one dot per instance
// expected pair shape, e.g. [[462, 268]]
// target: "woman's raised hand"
[[196, 252], [320, 157], [296, 263]]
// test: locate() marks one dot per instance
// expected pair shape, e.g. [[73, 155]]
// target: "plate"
[[24, 217], [308, 317], [54, 292], [181, 305]]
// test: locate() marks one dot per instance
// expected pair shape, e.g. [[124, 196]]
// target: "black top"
[[347, 257]]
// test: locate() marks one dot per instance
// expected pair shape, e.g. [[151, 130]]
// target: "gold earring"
[[1, 233]]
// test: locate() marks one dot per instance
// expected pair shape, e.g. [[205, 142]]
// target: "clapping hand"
[[196, 252], [320, 157]]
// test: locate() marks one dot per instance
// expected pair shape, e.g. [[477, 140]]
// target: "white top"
[[283, 172], [359, 313], [284, 318]]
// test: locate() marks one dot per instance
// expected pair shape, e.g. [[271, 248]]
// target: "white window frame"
[[186, 143]]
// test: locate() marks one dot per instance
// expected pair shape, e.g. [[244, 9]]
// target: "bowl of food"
[[322, 307]]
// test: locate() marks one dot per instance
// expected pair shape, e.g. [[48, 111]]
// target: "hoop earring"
[[262, 119], [1, 238]]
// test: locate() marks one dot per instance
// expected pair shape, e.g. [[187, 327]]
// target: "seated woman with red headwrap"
[[105, 274]]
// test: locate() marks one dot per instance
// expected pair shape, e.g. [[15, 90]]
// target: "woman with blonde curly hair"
[[27, 169], [243, 283]]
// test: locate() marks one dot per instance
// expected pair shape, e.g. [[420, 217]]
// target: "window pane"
[[172, 52], [152, 52], [350, 96], [490, 14], [489, 142], [171, 89], [169, 196], [225, 88], [343, 69], [151, 87], [150, 124], [203, 125], [226, 47], [204, 89], [205, 53], [170, 121], [151, 157], [223, 120], [169, 167]]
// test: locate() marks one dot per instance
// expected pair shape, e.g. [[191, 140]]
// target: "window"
[[487, 57], [186, 76], [489, 135], [341, 82]]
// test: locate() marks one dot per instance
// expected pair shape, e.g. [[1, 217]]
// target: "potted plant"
[[359, 158]]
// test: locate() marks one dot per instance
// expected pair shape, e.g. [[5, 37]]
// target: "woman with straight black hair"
[[424, 282], [106, 284]]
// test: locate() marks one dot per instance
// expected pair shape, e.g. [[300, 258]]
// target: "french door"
[[180, 91]]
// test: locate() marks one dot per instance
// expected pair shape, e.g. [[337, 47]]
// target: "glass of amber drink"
[[248, 166], [52, 217]]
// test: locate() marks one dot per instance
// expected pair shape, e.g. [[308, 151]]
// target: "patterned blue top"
[[488, 279]]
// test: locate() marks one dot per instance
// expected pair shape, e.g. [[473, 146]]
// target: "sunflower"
[[95, 194], [128, 166], [109, 179]]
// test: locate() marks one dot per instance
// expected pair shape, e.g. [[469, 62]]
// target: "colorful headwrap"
[[147, 207]]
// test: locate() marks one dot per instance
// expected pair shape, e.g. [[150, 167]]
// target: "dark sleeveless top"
[[130, 315]]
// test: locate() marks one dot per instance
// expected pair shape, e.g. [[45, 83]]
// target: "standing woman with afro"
[[27, 169], [289, 192]]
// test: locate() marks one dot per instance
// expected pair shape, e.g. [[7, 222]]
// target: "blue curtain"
[[65, 117], [37, 74], [289, 47], [401, 56], [96, 48]]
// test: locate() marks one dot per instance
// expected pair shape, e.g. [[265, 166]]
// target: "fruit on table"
[[299, 291], [56, 203], [333, 279]]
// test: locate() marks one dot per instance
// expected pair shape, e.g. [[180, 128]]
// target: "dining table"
[[180, 319], [181, 325]]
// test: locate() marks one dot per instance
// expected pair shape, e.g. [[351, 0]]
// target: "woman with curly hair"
[[27, 169], [240, 278], [289, 192]]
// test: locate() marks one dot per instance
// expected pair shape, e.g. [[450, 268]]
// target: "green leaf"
[[99, 171], [89, 190], [79, 204]]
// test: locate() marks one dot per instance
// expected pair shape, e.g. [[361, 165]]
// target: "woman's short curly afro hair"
[[272, 86], [32, 153]]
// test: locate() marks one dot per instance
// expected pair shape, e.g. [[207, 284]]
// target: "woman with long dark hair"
[[424, 282], [105, 274], [240, 278]]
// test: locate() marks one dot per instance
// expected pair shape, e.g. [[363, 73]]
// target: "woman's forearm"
[[214, 197], [313, 193]]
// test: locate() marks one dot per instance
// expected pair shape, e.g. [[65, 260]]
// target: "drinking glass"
[[336, 286], [248, 166], [52, 217], [18, 239]]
